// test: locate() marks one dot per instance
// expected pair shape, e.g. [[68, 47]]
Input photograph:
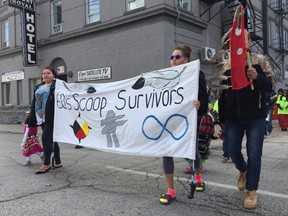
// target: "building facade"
[[108, 40]]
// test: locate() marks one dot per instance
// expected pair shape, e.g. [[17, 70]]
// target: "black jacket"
[[49, 110], [245, 103], [202, 95]]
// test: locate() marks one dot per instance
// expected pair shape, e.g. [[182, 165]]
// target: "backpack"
[[206, 125]]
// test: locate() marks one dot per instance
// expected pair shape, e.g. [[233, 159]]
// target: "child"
[[30, 144]]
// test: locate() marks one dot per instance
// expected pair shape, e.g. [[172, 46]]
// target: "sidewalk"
[[11, 128]]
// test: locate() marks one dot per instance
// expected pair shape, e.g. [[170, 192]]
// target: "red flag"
[[238, 52]]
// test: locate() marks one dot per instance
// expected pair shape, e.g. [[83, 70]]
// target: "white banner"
[[148, 115]]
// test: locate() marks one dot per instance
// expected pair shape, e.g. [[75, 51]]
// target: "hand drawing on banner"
[[163, 79], [110, 123], [80, 128]]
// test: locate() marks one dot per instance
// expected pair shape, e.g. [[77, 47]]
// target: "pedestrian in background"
[[282, 103], [212, 98], [270, 102], [42, 114], [221, 109]]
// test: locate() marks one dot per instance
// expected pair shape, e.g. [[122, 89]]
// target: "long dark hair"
[[52, 70]]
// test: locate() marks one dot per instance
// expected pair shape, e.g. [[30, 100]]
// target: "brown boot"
[[250, 199], [241, 182]]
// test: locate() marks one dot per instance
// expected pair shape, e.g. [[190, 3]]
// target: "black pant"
[[49, 146]]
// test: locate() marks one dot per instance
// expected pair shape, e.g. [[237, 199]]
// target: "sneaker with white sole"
[[241, 182], [189, 170], [27, 163], [226, 160], [250, 199]]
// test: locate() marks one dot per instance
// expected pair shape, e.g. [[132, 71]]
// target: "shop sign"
[[12, 76], [94, 74]]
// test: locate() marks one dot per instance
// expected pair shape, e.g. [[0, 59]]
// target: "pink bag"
[[31, 146]]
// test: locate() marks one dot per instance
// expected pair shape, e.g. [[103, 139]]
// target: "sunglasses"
[[177, 57]]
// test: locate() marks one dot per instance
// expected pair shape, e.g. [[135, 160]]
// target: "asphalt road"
[[98, 183]]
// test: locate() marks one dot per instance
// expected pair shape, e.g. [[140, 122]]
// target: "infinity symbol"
[[164, 126]]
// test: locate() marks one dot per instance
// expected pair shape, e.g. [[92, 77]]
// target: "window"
[[185, 4], [19, 92], [284, 41], [134, 4], [92, 11], [5, 34], [32, 84], [276, 41], [56, 16], [284, 4], [6, 93], [250, 26], [280, 4]]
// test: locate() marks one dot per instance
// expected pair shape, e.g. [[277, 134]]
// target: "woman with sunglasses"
[[181, 55]]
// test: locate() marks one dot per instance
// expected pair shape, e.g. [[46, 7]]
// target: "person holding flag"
[[249, 77]]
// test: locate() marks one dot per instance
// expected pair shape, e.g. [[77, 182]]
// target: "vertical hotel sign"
[[28, 15]]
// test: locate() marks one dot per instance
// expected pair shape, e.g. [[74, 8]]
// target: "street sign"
[[28, 20], [22, 4]]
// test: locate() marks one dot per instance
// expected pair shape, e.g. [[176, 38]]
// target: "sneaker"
[[226, 160], [189, 170], [27, 163], [241, 182], [250, 199], [200, 185]]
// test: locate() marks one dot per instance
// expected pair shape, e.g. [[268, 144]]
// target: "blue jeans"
[[234, 132]]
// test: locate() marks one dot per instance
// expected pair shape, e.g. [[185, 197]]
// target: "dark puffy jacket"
[[245, 103], [202, 95], [49, 110]]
